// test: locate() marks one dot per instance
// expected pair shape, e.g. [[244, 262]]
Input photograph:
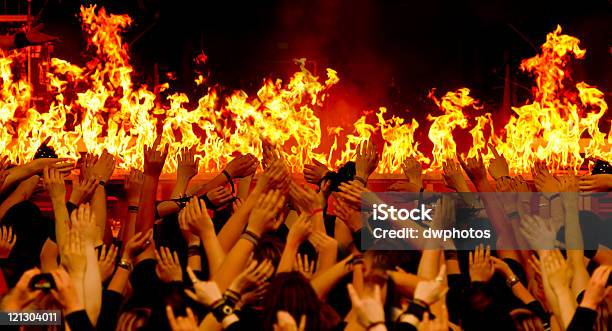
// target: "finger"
[[171, 318], [194, 279], [356, 301]]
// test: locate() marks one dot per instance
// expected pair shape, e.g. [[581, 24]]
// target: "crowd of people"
[[254, 249]]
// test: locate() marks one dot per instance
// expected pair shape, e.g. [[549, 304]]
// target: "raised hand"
[[351, 194], [263, 216], [270, 153], [190, 238], [276, 176], [430, 291], [106, 261], [21, 296], [314, 173], [182, 323], [65, 292], [306, 199], [544, 181], [299, 232], [73, 254], [195, 216], [85, 222], [87, 164], [54, 183], [63, 165], [136, 245], [502, 267], [168, 267], [206, 292], [538, 232], [103, 169], [133, 186], [82, 189], [7, 241], [475, 169], [187, 166], [498, 166], [413, 171], [453, 176], [255, 275], [598, 288], [366, 160], [305, 266], [596, 183], [286, 322], [154, 159], [556, 270], [219, 196], [369, 310], [242, 166], [481, 265]]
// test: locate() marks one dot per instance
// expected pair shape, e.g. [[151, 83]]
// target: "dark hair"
[[525, 320], [291, 292], [344, 174], [270, 247]]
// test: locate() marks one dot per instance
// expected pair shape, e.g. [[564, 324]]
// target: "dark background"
[[387, 53]]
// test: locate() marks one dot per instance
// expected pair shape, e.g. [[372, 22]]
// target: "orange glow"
[[98, 107]]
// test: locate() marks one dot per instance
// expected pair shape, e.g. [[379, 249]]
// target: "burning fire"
[[98, 107]]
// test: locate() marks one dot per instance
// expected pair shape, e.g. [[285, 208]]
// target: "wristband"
[[417, 309], [125, 265], [512, 281], [181, 202], [374, 324], [361, 180], [220, 310], [231, 297], [250, 236], [102, 183], [229, 179], [193, 250], [133, 209]]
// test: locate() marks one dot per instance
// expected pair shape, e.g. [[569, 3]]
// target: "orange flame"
[[98, 107]]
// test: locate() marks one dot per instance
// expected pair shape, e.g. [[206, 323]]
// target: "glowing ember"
[[98, 107]]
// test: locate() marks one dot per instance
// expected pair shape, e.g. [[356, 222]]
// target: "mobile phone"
[[42, 282]]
